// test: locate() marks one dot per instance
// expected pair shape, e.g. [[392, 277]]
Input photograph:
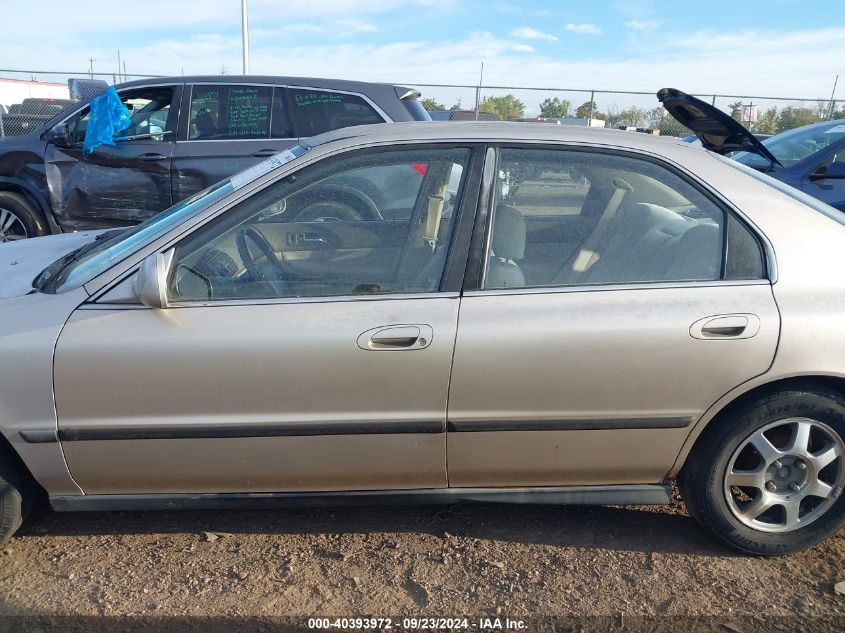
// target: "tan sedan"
[[448, 312]]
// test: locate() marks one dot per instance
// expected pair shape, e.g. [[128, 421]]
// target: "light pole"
[[245, 35]]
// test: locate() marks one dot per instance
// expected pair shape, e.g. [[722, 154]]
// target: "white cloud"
[[527, 33], [523, 48], [585, 29], [356, 26], [643, 25], [803, 63], [305, 28]]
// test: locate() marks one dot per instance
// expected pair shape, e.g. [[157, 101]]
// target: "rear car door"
[[226, 128], [229, 127], [308, 346], [587, 365], [121, 184]]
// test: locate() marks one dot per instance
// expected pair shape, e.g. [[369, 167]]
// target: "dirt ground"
[[413, 561]]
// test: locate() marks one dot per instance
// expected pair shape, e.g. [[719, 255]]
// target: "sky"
[[771, 47]]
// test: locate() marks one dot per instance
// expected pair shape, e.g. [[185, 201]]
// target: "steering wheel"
[[333, 202], [276, 284]]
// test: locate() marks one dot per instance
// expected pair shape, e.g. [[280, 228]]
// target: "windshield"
[[794, 146], [82, 265]]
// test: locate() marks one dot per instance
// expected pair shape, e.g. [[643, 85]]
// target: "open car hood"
[[717, 131]]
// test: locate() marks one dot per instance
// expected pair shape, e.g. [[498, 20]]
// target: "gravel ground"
[[413, 561]]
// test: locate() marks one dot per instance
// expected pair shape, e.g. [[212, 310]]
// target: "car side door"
[[589, 367], [299, 352], [120, 184]]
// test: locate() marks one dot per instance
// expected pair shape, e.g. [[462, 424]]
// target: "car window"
[[837, 159], [564, 217], [223, 112], [77, 268], [149, 110], [543, 188], [374, 223], [317, 111]]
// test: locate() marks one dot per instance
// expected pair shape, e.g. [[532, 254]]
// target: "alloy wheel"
[[11, 226], [785, 475]]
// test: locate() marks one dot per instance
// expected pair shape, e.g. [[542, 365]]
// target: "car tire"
[[19, 219], [18, 496], [793, 518]]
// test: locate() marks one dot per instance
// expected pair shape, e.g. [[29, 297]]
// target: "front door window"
[[374, 223]]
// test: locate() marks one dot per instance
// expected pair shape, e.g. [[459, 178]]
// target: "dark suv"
[[186, 134]]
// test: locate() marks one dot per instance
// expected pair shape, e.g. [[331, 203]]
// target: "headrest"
[[508, 239]]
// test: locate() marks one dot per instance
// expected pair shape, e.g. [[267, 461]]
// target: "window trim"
[[184, 130], [476, 269]]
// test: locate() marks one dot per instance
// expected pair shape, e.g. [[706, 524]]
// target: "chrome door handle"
[[396, 337], [726, 326]]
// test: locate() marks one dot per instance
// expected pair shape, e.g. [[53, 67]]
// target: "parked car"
[[291, 335], [809, 158], [186, 134], [692, 138], [30, 113]]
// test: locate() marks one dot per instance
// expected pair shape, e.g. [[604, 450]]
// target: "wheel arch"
[[739, 397], [13, 468], [33, 196]]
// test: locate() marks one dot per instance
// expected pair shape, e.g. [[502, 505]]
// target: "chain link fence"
[[616, 108], [28, 98]]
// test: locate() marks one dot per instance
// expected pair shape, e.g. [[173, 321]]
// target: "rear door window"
[[317, 111], [228, 112]]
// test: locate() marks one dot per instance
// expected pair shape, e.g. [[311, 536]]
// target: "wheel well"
[[32, 199], [831, 383], [23, 193], [13, 467]]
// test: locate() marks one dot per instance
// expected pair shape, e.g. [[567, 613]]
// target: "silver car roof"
[[483, 131]]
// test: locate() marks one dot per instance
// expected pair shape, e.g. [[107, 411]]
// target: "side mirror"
[[151, 279], [58, 136], [834, 170]]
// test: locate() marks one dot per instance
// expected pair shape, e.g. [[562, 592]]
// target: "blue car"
[[809, 158]]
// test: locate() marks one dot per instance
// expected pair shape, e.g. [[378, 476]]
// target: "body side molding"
[[585, 424], [172, 432], [639, 494]]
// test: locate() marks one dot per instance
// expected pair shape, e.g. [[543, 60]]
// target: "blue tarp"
[[108, 116]]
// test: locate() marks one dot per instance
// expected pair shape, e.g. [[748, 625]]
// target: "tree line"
[[772, 120]]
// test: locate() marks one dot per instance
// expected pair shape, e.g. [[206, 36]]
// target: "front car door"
[[588, 363], [308, 345], [118, 184]]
